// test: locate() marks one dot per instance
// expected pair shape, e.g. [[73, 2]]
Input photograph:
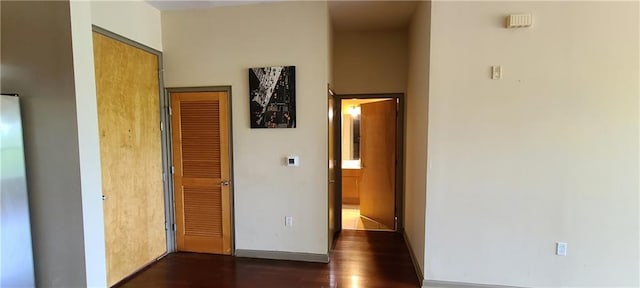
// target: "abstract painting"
[[272, 94]]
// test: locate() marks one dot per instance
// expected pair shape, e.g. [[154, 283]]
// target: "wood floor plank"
[[360, 259]]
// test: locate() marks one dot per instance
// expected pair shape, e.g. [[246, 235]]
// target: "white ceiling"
[[345, 15]]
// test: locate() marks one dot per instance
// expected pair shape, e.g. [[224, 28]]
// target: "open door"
[[201, 177], [378, 161]]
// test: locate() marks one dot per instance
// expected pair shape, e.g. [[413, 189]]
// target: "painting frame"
[[272, 97]]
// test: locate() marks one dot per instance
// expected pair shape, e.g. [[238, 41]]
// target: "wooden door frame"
[[337, 217], [400, 123], [164, 133], [169, 130]]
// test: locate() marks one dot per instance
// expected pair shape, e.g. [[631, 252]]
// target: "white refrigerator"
[[16, 254]]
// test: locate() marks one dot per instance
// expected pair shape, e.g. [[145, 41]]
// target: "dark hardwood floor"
[[360, 259]]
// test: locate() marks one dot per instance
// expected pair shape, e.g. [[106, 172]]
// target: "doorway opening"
[[369, 152]]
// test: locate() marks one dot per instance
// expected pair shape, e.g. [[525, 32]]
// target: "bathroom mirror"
[[351, 130], [351, 133]]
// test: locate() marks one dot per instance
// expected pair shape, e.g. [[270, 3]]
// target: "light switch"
[[496, 72]]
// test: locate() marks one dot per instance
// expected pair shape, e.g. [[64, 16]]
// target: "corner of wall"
[[88, 144], [417, 133], [49, 108]]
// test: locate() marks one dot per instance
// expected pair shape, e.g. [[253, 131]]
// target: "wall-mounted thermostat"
[[292, 161], [519, 20]]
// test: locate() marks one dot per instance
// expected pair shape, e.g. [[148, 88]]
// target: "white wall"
[[370, 61], [88, 145], [37, 63], [330, 51], [549, 153], [417, 107], [133, 19], [216, 47]]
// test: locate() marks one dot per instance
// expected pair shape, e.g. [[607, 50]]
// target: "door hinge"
[[161, 126], [170, 111], [173, 226], [173, 170], [164, 177]]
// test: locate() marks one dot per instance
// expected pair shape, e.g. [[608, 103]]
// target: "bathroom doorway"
[[371, 161]]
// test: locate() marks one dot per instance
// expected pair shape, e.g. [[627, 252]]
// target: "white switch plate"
[[288, 221], [561, 248], [496, 72]]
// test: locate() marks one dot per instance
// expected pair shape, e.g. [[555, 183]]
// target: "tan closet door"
[[131, 155], [378, 159], [201, 179]]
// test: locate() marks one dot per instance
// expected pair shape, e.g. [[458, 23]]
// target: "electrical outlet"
[[561, 249], [288, 221]]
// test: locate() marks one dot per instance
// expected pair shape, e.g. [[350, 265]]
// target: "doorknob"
[[224, 183]]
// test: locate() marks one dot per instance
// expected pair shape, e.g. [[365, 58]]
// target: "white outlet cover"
[[561, 248]]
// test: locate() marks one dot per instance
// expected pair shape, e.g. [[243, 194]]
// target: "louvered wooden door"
[[201, 175]]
